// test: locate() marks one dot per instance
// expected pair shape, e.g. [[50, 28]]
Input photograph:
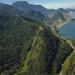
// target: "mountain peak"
[[21, 3], [25, 6]]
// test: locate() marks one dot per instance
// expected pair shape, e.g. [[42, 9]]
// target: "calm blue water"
[[68, 30]]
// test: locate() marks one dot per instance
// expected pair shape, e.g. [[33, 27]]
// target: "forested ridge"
[[29, 46]]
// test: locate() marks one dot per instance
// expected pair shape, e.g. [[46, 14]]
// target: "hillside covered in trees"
[[30, 47]]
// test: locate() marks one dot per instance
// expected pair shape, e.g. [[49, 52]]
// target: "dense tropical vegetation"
[[29, 47]]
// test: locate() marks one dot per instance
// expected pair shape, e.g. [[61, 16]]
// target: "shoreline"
[[63, 24]]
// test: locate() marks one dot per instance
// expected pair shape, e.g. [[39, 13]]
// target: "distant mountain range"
[[33, 15], [25, 7], [35, 12]]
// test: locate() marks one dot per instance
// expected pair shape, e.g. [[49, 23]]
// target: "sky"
[[50, 4]]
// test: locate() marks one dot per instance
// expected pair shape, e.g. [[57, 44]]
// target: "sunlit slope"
[[47, 54], [69, 65]]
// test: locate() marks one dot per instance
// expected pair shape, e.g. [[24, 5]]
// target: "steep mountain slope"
[[33, 15], [16, 35], [60, 16], [26, 7], [5, 8], [28, 48], [46, 55], [31, 11], [53, 18], [69, 65]]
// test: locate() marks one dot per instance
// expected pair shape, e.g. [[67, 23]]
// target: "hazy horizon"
[[50, 4]]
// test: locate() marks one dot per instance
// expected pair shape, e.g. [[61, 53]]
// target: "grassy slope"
[[46, 56], [69, 65]]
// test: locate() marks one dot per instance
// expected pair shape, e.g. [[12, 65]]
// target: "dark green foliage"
[[31, 15], [46, 56], [27, 48], [16, 36]]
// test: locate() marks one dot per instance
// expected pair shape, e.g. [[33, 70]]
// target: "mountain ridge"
[[28, 46]]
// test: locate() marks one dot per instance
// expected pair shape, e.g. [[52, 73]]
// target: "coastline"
[[63, 24]]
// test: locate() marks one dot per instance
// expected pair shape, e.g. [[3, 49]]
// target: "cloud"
[[59, 5]]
